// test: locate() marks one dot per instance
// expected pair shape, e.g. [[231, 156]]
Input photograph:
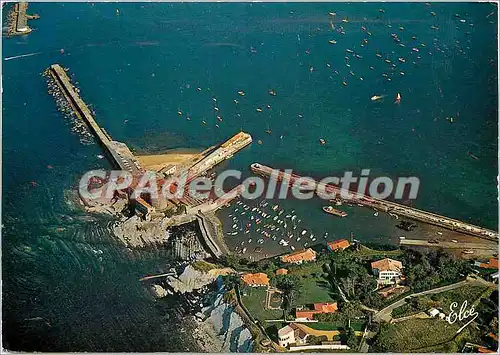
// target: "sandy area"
[[159, 161]]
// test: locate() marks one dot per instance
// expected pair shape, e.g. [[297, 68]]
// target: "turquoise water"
[[140, 66]]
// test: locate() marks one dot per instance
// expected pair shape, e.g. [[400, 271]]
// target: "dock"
[[383, 205]]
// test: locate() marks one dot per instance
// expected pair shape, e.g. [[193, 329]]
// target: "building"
[[491, 264], [318, 308], [338, 245], [388, 271], [433, 312], [291, 334], [300, 256], [142, 208], [281, 272], [255, 280]]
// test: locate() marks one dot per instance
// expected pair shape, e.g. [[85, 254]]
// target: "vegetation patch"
[[254, 299], [414, 334]]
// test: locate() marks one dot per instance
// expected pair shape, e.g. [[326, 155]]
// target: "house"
[[299, 256], [255, 280], [281, 272], [491, 264], [433, 312], [318, 308], [388, 271], [291, 334], [338, 245]]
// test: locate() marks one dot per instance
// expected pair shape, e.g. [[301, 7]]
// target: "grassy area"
[[459, 295], [203, 266], [315, 289], [414, 334], [254, 299], [440, 300], [358, 326]]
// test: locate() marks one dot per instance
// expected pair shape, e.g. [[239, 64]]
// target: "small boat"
[[241, 93], [100, 156], [332, 41], [304, 232], [398, 98], [322, 141], [376, 97], [272, 92], [292, 247], [333, 211], [376, 214]]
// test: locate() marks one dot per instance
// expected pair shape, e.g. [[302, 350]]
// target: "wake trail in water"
[[23, 56]]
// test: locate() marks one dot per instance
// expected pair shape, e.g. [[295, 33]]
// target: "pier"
[[18, 20], [382, 205], [120, 154]]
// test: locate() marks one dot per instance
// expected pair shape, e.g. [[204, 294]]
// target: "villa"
[[318, 308], [299, 256], [338, 245], [388, 271], [255, 280]]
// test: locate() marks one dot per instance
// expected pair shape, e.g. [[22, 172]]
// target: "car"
[[454, 241], [433, 241], [468, 251]]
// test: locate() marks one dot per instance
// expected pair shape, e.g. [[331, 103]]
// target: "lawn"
[[414, 334], [356, 325], [313, 290], [254, 299], [469, 293]]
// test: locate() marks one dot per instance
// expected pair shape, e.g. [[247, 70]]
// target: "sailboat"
[[398, 99], [268, 130]]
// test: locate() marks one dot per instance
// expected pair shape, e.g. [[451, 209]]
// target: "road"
[[450, 245]]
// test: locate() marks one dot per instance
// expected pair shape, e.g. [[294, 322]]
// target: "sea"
[[68, 285]]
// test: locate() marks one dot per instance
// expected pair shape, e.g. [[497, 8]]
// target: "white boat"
[[304, 232], [292, 247]]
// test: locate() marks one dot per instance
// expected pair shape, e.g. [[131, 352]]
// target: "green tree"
[[290, 286]]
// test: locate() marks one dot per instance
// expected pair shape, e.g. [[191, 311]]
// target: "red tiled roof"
[[281, 272], [338, 244], [318, 308], [255, 279], [326, 307], [387, 265], [300, 255]]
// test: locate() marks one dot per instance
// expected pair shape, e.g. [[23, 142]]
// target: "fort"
[[171, 212]]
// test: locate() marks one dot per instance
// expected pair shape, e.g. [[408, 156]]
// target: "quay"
[[18, 19], [382, 205], [449, 245]]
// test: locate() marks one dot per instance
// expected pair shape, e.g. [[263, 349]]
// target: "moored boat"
[[331, 210]]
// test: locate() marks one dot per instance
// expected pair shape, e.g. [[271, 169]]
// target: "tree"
[[351, 339], [349, 311], [290, 286]]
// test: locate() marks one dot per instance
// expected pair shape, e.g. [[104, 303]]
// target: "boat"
[[376, 97], [332, 41], [331, 210], [322, 141], [304, 232], [241, 93], [292, 247], [398, 98]]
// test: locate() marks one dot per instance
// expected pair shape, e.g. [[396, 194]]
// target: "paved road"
[[450, 245]]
